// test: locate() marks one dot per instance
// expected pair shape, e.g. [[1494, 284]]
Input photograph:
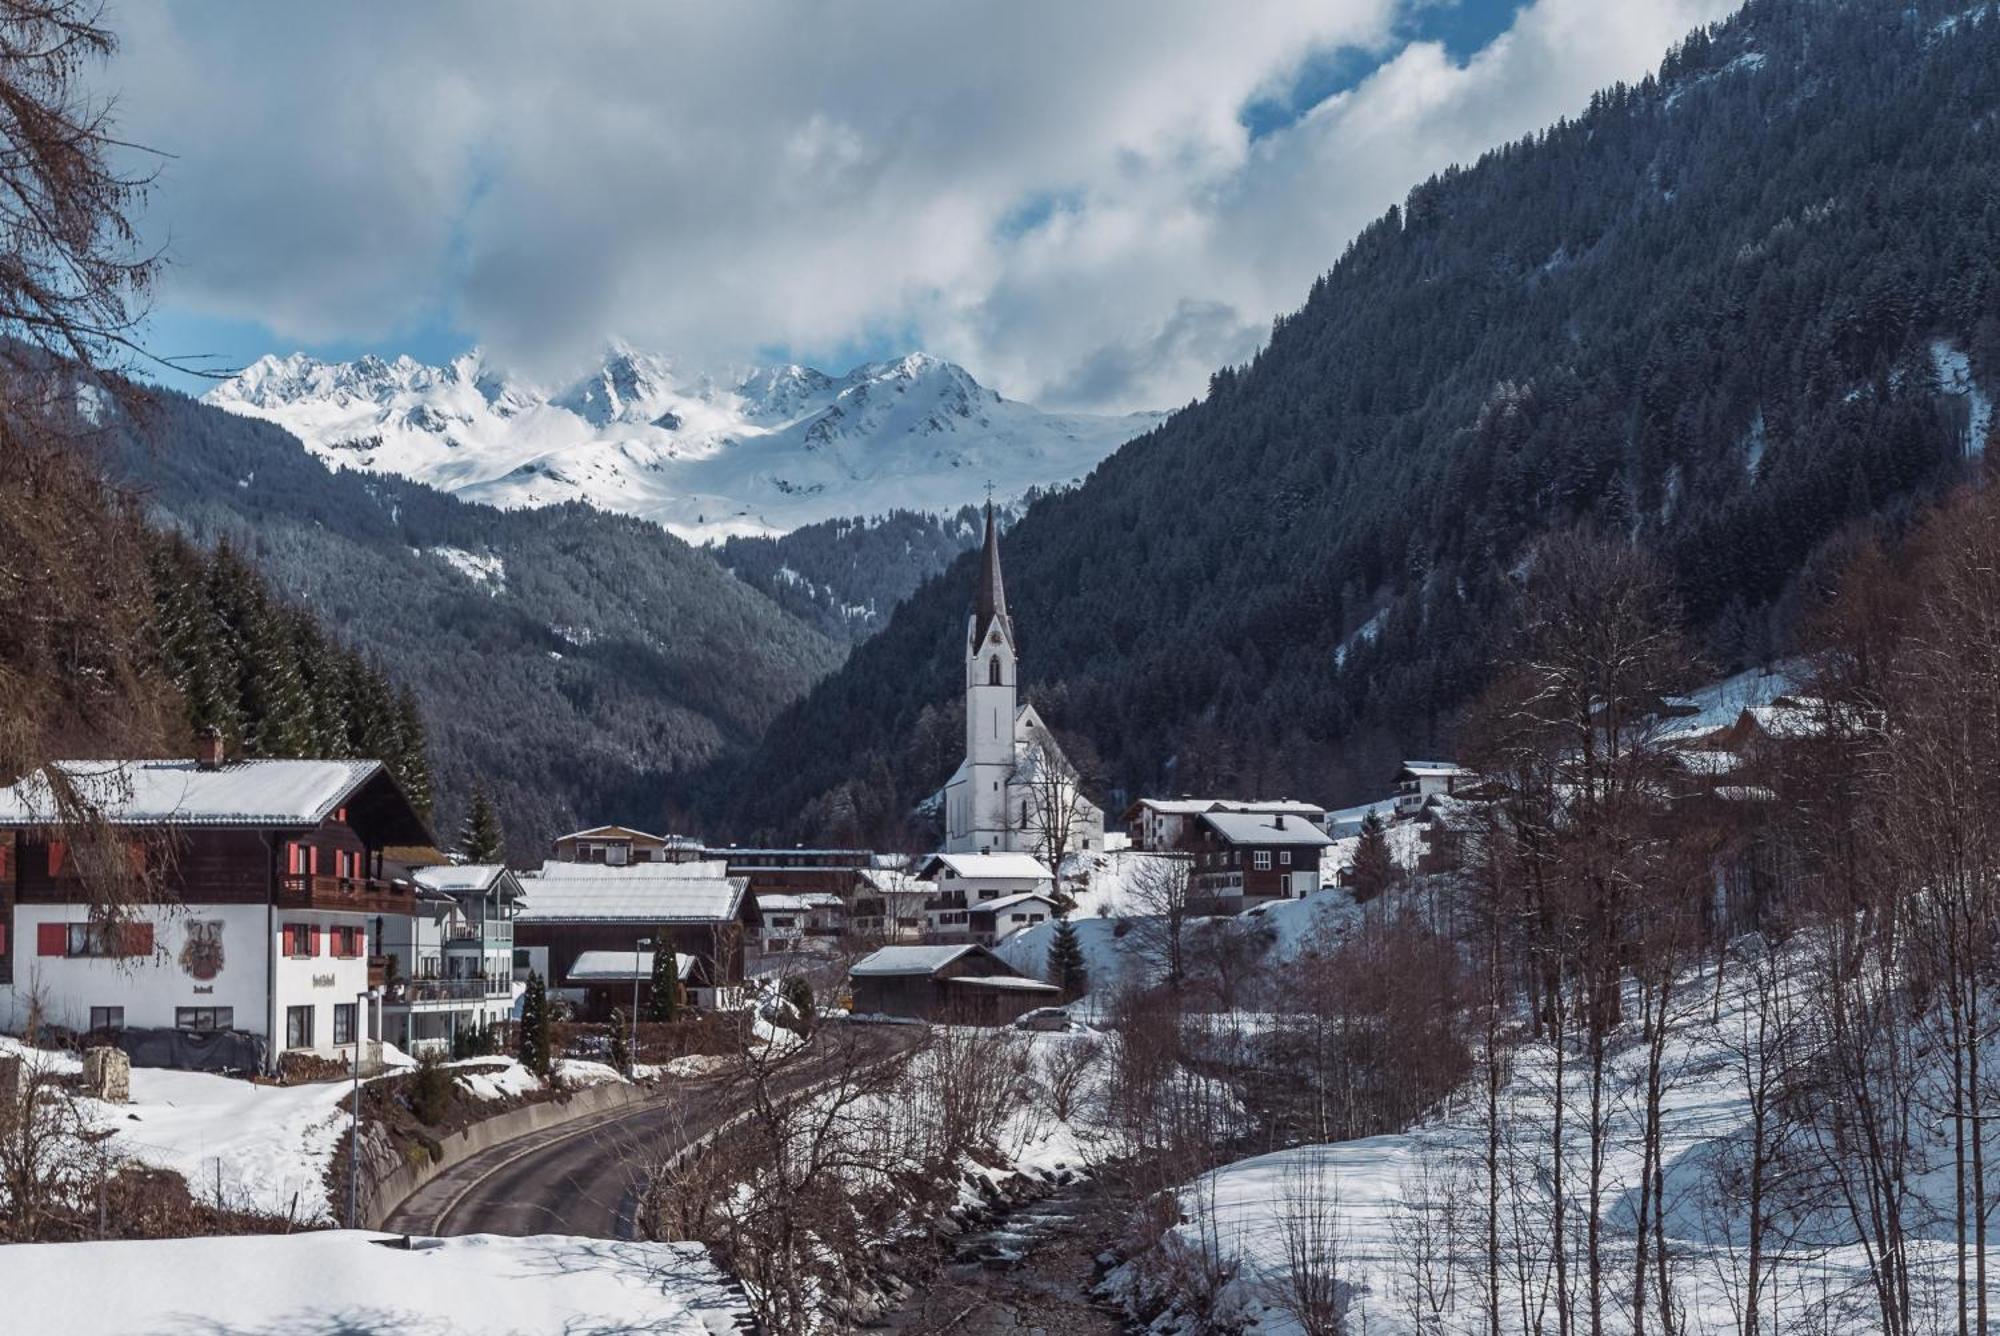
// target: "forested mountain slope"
[[1730, 311], [574, 662]]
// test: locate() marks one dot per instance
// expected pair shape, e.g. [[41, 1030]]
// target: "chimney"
[[1281, 821], [208, 751]]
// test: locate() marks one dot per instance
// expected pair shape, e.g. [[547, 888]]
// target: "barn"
[[960, 985]]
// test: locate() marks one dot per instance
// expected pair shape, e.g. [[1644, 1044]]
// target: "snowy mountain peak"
[[779, 447]]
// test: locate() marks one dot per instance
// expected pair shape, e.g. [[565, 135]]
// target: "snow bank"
[[344, 1282], [263, 1148]]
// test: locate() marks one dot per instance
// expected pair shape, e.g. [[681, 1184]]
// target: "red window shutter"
[[360, 941], [312, 859], [135, 854], [58, 852], [312, 940], [137, 939], [3, 939], [293, 864], [51, 939]]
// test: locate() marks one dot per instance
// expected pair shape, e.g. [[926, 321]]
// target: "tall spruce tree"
[[1066, 967], [1374, 865], [480, 839], [533, 1044], [665, 1002]]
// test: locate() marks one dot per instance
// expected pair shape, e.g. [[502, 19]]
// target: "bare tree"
[[1309, 1286], [1053, 800], [1161, 894]]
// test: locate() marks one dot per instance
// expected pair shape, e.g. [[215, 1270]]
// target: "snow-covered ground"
[[1378, 1189], [344, 1282], [764, 452]]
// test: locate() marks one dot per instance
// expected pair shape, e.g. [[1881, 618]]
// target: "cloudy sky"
[[1089, 205]]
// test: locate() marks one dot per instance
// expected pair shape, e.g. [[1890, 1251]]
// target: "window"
[[343, 1022], [104, 939], [204, 1018], [346, 942], [781, 923], [298, 1027], [301, 940], [107, 1018], [993, 671], [989, 895], [1263, 860], [1285, 857]]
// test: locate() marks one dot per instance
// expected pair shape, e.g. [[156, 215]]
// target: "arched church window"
[[993, 671]]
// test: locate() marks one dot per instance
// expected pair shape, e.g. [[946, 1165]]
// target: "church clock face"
[[993, 639]]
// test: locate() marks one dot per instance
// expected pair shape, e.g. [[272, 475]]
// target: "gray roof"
[[640, 893], [1007, 902], [1000, 867], [1259, 828], [620, 967], [181, 793], [990, 605], [460, 878], [909, 959]]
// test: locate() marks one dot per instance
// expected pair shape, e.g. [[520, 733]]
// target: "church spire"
[[992, 601]]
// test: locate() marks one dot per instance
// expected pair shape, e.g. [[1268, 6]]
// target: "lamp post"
[[361, 1001], [632, 1057]]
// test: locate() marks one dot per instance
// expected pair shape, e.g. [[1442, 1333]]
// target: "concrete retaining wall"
[[392, 1189]]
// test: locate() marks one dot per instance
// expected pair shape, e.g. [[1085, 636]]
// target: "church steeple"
[[991, 603]]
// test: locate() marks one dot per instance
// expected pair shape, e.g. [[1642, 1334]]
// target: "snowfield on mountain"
[[762, 453]]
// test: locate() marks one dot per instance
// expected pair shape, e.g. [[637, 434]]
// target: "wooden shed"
[[958, 985]]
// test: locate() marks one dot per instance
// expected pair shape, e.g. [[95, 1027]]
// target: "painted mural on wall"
[[201, 950]]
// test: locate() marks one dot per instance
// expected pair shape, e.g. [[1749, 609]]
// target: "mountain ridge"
[[756, 454]]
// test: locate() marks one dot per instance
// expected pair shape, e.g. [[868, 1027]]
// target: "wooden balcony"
[[356, 895]]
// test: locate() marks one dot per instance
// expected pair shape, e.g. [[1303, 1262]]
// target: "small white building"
[[960, 881], [791, 922], [1419, 780]]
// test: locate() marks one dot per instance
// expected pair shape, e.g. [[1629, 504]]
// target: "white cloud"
[[711, 180]]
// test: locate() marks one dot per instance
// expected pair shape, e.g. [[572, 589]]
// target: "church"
[[1015, 792]]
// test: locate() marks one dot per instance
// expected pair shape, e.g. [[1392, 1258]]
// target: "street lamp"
[[632, 1057], [361, 1001]]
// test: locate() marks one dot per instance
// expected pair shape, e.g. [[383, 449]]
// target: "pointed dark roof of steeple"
[[991, 602]]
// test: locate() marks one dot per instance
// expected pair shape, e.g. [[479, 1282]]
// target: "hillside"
[[764, 452], [1732, 311], [573, 661]]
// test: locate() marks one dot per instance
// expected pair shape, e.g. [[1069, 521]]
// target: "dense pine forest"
[[1734, 311]]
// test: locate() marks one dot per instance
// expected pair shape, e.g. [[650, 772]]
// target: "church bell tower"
[[991, 657]]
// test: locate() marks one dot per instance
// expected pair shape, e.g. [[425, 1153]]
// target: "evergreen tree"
[[479, 840], [533, 1045], [798, 991], [621, 1055], [1066, 967], [665, 1002], [412, 766], [1374, 867]]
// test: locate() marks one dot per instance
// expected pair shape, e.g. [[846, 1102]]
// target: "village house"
[[1419, 780], [789, 923], [620, 846], [274, 873], [701, 911], [453, 956], [1243, 859], [960, 881], [990, 922], [889, 907], [623, 981], [1164, 825], [964, 985]]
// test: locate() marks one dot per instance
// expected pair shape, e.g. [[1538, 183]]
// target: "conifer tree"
[[1066, 967], [798, 991], [532, 1046], [480, 839], [665, 1003], [412, 766], [621, 1054], [1374, 866]]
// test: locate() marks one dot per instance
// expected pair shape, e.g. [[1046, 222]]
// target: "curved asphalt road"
[[584, 1178]]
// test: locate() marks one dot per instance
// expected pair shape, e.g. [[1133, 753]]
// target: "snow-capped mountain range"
[[760, 453]]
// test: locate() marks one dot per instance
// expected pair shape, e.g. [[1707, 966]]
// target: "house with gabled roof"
[[697, 909], [454, 955], [964, 984], [271, 899]]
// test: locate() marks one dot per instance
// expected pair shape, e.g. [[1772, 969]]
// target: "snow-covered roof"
[[1263, 828], [1355, 815], [1000, 866], [183, 793], [1434, 769], [1197, 806], [640, 893], [888, 881], [459, 879], [1008, 902], [909, 959], [614, 831], [1012, 982], [620, 967], [778, 902]]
